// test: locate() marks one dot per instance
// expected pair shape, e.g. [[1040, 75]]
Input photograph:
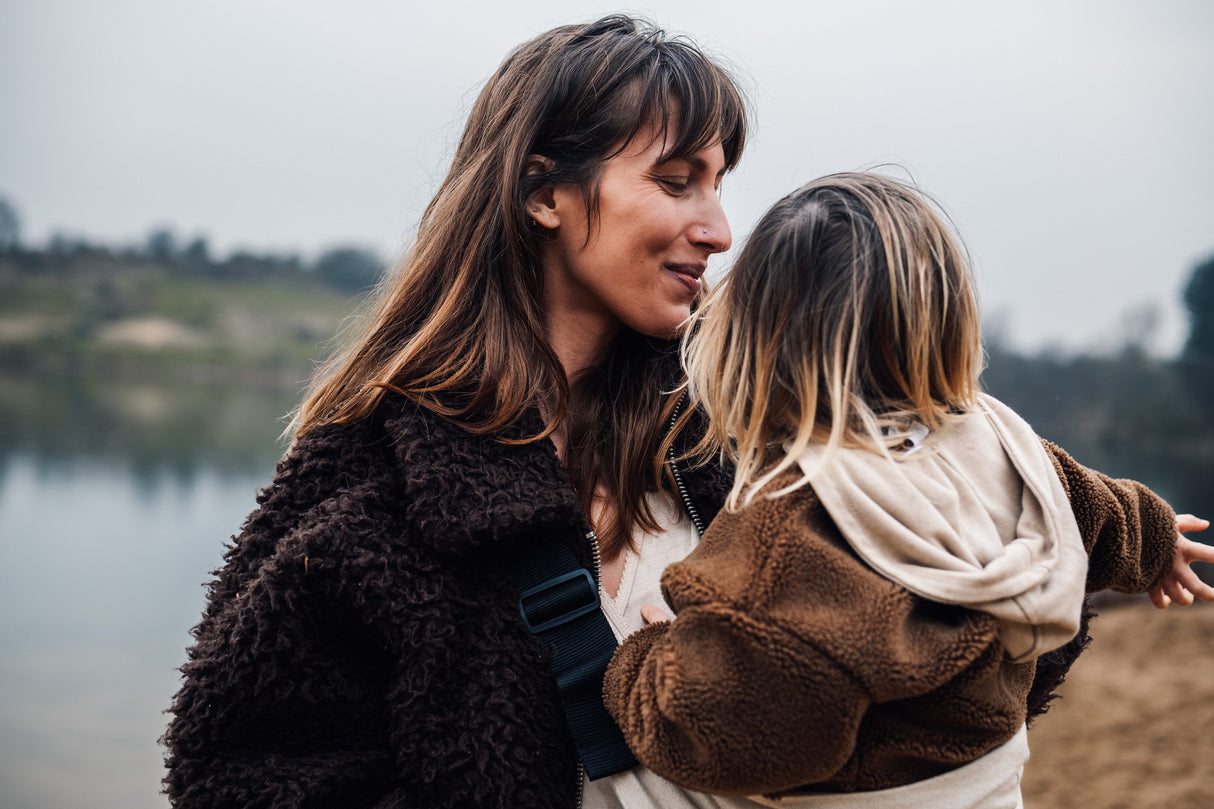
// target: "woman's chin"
[[668, 330]]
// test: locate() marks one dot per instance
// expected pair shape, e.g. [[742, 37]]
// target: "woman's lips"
[[688, 274]]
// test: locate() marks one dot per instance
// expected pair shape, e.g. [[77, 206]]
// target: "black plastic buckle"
[[559, 600]]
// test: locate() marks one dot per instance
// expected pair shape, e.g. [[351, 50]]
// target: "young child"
[[860, 627]]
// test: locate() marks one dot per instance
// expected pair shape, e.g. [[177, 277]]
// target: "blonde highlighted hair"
[[849, 314]]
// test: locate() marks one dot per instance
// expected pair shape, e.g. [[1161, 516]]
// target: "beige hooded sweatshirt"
[[973, 515]]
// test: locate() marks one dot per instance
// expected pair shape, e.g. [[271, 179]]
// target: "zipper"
[[596, 558], [692, 512]]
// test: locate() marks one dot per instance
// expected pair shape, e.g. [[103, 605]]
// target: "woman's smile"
[[688, 274]]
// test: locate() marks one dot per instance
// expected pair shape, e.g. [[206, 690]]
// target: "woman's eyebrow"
[[698, 164]]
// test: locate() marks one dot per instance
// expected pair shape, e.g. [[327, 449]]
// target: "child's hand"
[[1181, 585], [653, 614]]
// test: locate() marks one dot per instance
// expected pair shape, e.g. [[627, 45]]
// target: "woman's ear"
[[541, 204]]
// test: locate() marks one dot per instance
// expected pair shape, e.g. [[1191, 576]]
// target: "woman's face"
[[641, 262]]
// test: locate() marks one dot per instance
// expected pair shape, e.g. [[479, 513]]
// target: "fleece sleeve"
[[246, 722], [1128, 530], [782, 641], [276, 698]]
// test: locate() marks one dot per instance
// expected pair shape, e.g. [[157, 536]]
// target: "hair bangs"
[[695, 100]]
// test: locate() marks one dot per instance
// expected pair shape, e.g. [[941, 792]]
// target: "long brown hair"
[[459, 327], [850, 312]]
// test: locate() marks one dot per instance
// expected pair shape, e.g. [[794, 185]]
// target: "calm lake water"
[[100, 580], [115, 504]]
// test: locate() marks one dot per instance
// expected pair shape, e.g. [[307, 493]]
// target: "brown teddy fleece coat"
[[793, 664]]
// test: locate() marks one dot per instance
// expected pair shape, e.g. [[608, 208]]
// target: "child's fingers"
[[653, 614], [1195, 551], [1189, 579], [1189, 522], [1177, 592], [1159, 598]]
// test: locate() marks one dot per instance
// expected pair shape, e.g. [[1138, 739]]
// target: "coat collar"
[[468, 493]]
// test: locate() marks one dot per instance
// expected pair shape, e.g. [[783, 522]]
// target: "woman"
[[362, 644]]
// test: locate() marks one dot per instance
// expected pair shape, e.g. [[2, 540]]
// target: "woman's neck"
[[579, 343]]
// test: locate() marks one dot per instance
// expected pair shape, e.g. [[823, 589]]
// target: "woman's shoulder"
[[463, 491], [329, 457], [392, 419], [329, 471], [398, 431]]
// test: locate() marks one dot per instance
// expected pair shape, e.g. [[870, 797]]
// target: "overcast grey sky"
[[1071, 140]]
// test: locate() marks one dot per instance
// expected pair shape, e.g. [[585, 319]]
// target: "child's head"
[[851, 309]]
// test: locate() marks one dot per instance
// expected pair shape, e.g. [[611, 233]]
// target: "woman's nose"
[[712, 231]]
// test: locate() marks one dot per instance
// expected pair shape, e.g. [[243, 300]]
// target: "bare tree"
[[10, 226]]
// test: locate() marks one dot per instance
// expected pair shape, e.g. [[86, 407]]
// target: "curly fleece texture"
[[362, 647], [793, 663]]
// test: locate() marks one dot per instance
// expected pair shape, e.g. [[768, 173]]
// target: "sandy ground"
[[1135, 726]]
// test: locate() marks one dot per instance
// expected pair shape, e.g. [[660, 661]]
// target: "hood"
[[975, 515]]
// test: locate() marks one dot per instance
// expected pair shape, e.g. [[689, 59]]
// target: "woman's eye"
[[675, 185]]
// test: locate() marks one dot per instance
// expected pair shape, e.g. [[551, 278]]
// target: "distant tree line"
[[1197, 359], [1127, 414], [347, 268]]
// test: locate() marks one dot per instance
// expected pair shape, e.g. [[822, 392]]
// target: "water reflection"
[[155, 429], [115, 503]]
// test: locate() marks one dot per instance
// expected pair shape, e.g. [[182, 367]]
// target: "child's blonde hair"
[[849, 314]]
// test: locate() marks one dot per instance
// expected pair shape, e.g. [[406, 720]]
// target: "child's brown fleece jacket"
[[793, 664]]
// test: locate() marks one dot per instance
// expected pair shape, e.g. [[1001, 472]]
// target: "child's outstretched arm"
[[1131, 536], [1181, 585]]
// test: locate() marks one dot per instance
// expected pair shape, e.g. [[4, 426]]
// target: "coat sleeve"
[[261, 719], [279, 705], [1128, 530], [782, 641]]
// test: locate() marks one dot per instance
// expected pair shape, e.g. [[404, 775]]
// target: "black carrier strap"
[[559, 602]]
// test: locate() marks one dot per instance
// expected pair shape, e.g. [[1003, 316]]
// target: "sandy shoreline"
[[1135, 726]]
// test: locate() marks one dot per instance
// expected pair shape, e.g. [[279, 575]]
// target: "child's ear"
[[541, 205]]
